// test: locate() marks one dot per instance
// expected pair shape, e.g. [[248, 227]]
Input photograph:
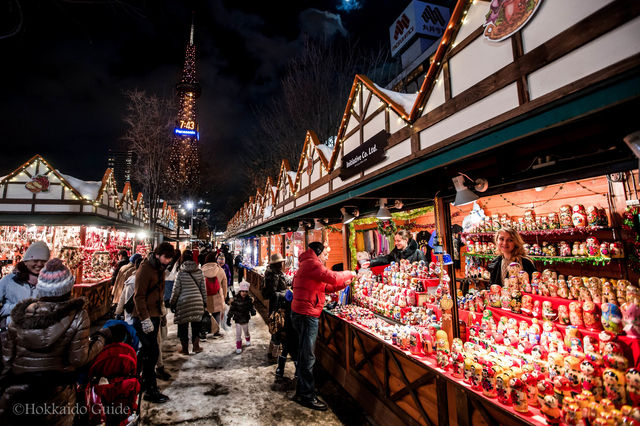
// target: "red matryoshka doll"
[[592, 216], [489, 372], [633, 385], [572, 371], [428, 340], [591, 379], [611, 318], [502, 387], [518, 393], [415, 345], [547, 311], [603, 250], [545, 388], [616, 250], [530, 381], [563, 314], [561, 388], [565, 217], [476, 376], [591, 316], [494, 296], [536, 311], [575, 314], [593, 246], [553, 221], [614, 386], [579, 216]]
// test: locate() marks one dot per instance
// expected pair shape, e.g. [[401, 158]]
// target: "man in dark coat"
[[148, 299], [406, 248], [275, 284]]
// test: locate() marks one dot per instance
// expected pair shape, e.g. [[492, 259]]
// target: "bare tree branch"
[[150, 120]]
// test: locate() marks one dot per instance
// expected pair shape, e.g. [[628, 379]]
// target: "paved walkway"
[[218, 387]]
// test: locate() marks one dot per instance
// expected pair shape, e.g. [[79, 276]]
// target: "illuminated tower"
[[184, 165]]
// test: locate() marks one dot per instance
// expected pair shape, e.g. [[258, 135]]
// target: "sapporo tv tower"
[[184, 165]]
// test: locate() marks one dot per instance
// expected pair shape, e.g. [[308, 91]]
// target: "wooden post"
[[346, 250]]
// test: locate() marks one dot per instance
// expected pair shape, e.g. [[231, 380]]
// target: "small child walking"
[[241, 310]]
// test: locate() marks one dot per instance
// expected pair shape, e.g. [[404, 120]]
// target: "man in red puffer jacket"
[[310, 284]]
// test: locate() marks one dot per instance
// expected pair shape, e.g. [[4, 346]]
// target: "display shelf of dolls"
[[568, 232], [553, 260]]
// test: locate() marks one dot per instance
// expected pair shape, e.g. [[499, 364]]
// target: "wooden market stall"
[[543, 98], [84, 222]]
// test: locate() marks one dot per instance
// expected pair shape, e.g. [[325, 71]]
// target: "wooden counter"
[[98, 296]]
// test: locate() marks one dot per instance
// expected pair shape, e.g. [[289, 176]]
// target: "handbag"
[[206, 322], [276, 321]]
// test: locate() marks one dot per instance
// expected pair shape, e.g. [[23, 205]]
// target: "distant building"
[[414, 37], [120, 160]]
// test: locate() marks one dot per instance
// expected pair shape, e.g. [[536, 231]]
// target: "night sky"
[[66, 69]]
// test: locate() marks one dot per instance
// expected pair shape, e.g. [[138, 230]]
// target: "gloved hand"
[[119, 317], [228, 321], [288, 295], [147, 326], [163, 321], [104, 332]]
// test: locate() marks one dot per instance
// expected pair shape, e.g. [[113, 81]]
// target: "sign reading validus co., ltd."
[[364, 156]]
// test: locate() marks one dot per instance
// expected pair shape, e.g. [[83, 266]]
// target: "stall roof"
[[88, 188], [63, 220]]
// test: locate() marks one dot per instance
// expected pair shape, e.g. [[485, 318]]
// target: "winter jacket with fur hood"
[[189, 294], [312, 281], [215, 302], [49, 336]]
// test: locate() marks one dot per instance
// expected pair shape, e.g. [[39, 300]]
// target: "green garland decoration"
[[333, 228], [412, 214], [598, 261], [352, 245]]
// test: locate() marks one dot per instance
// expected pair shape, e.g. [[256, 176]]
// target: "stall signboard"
[[419, 18], [364, 156]]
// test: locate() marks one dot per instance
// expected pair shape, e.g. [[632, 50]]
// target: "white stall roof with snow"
[[405, 100], [326, 150], [87, 188]]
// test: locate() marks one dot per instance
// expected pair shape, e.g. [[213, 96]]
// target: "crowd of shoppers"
[[45, 332]]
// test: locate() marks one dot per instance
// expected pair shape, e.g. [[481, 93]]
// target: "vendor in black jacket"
[[406, 248], [510, 248]]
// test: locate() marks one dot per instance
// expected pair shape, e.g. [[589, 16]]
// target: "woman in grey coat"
[[188, 302]]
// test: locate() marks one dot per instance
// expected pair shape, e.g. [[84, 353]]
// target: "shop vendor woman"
[[510, 248], [406, 248]]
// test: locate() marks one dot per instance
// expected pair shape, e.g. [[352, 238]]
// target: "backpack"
[[276, 321], [213, 286]]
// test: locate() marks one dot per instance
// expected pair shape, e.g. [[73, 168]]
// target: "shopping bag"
[[223, 318], [206, 322]]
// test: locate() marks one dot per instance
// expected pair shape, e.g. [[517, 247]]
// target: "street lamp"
[[190, 206]]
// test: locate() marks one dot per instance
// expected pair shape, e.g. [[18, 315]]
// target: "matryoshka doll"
[[579, 216], [495, 222], [502, 387], [518, 395], [489, 372], [550, 410], [415, 346], [530, 381], [633, 385], [593, 246], [536, 311], [476, 376], [614, 386], [592, 216], [529, 220], [523, 280], [563, 288], [468, 369], [553, 221], [591, 316], [516, 301], [611, 318], [563, 314], [604, 250], [573, 415], [545, 388], [555, 361], [572, 371], [494, 296], [616, 250], [527, 304], [564, 249], [457, 364], [547, 311], [591, 379], [565, 217], [575, 314], [442, 349]]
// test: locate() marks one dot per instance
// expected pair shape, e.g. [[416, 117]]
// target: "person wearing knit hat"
[[55, 280], [21, 283], [48, 338]]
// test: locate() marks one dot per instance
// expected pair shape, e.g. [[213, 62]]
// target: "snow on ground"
[[218, 387]]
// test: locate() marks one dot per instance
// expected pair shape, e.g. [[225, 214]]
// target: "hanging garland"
[[412, 214], [352, 245], [333, 228], [597, 261]]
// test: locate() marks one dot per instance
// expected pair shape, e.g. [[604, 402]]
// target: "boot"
[[185, 347], [277, 350], [280, 369], [270, 356], [196, 345]]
